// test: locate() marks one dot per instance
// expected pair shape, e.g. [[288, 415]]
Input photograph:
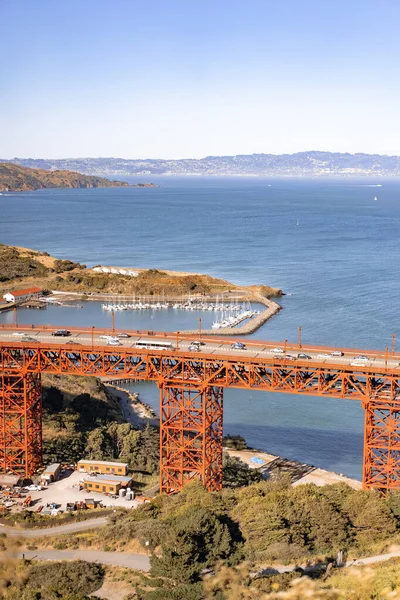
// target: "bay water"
[[327, 243]]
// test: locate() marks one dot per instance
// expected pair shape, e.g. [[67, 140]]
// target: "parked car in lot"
[[61, 333], [238, 346], [34, 488], [337, 353], [303, 355]]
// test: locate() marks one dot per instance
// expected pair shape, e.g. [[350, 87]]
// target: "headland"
[[24, 268]]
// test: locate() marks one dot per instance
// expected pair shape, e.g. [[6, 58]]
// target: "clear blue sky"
[[191, 78]]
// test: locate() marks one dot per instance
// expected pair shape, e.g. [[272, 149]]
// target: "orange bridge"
[[191, 379]]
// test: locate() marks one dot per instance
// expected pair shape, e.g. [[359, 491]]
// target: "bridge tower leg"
[[190, 436], [20, 422], [381, 462]]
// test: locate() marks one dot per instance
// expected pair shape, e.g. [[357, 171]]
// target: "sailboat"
[[376, 198]]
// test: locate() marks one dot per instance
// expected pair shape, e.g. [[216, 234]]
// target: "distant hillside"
[[19, 178], [294, 165]]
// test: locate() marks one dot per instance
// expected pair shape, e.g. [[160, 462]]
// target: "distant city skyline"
[[180, 79]]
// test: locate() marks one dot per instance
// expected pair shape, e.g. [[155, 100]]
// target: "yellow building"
[[102, 466], [106, 484]]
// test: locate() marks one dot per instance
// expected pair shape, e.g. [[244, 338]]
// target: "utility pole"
[[299, 336]]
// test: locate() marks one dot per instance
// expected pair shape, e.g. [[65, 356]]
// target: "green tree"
[[194, 540], [370, 516], [236, 473]]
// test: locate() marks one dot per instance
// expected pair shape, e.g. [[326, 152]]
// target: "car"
[[107, 337], [197, 343], [303, 355], [361, 357], [277, 350], [73, 343], [113, 343], [61, 333], [238, 346], [19, 334], [337, 353], [124, 336], [290, 357], [323, 355], [34, 488], [28, 338], [358, 363], [192, 348]]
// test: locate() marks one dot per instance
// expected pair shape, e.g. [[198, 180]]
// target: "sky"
[[194, 78]]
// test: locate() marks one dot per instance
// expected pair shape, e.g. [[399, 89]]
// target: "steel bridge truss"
[[191, 407], [191, 436], [20, 422]]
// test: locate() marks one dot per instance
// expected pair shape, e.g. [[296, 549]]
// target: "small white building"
[[22, 295]]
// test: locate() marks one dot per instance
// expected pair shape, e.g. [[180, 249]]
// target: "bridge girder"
[[194, 383]]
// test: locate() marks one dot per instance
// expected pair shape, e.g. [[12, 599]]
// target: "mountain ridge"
[[307, 163], [15, 177]]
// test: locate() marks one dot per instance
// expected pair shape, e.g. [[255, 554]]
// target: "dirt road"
[[57, 530]]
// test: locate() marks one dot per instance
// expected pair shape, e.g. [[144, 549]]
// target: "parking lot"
[[66, 490]]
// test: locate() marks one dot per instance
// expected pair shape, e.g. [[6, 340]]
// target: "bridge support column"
[[381, 463], [20, 422], [190, 436]]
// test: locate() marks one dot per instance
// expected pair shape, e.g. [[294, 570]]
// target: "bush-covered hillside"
[[82, 419]]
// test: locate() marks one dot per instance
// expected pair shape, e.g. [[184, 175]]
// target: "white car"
[[107, 337], [113, 343], [324, 355], [337, 353], [277, 350], [34, 488], [19, 334]]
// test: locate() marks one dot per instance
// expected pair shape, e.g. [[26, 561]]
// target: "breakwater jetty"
[[271, 309]]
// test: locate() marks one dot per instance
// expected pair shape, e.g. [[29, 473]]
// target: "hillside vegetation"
[[15, 178], [81, 419], [27, 267], [239, 531]]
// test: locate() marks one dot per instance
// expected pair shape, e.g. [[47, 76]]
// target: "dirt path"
[[119, 559], [57, 530]]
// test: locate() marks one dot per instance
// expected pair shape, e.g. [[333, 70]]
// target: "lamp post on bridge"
[[112, 321], [393, 342], [199, 329], [92, 336], [299, 336]]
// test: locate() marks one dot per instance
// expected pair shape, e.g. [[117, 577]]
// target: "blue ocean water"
[[327, 243]]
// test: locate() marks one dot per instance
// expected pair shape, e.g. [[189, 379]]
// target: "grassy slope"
[[23, 267]]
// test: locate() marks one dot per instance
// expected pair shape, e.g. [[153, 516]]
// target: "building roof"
[[52, 468], [9, 480], [106, 463], [108, 478], [32, 290]]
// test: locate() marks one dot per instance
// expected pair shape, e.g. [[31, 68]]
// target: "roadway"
[[212, 346]]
